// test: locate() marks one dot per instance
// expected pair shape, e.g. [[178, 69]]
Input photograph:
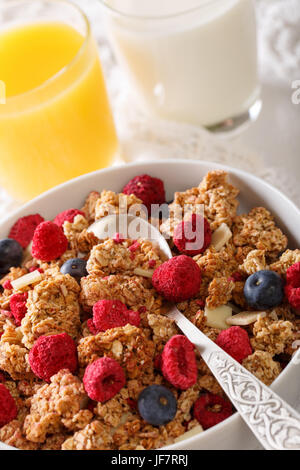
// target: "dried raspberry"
[[49, 242], [8, 407], [152, 263], [18, 307], [149, 190], [235, 341], [134, 318], [132, 404], [109, 314], [7, 313], [292, 288], [178, 279], [91, 326], [158, 362], [36, 268], [50, 354], [236, 277], [118, 238], [24, 228], [103, 379], [204, 410], [179, 365], [7, 285], [195, 232], [68, 215]]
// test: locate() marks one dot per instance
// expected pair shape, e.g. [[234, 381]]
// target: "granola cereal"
[[127, 345], [57, 406], [112, 203], [258, 230], [123, 258], [255, 261], [52, 308], [60, 414], [262, 365], [271, 336]]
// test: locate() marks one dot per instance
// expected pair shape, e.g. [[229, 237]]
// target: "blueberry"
[[157, 405], [264, 290], [11, 254], [76, 267]]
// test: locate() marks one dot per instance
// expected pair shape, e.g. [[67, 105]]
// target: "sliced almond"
[[221, 236], [144, 272], [26, 280], [216, 318], [193, 432], [245, 318]]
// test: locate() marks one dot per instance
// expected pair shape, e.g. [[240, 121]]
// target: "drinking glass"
[[193, 61], [55, 121]]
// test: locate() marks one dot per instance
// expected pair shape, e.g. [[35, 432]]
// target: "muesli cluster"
[[88, 358]]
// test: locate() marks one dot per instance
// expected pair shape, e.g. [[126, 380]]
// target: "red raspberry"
[[7, 285], [235, 341], [24, 228], [103, 379], [236, 277], [157, 362], [292, 288], [149, 190], [49, 242], [179, 365], [68, 215], [178, 279], [134, 318], [18, 307], [197, 231], [36, 268], [132, 404], [118, 238], [109, 314], [8, 407], [50, 354], [91, 326], [204, 413]]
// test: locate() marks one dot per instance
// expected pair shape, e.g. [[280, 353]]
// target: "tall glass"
[[55, 120], [193, 61]]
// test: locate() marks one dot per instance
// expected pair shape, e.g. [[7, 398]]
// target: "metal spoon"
[[274, 423]]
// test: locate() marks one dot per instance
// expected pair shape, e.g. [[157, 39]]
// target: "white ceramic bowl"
[[179, 175]]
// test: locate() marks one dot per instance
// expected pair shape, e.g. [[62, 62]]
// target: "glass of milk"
[[193, 61]]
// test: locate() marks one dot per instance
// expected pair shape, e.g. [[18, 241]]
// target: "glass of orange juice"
[[55, 118]]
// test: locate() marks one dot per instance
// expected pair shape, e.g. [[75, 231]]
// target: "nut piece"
[[188, 434], [216, 318], [221, 236], [30, 278], [245, 318]]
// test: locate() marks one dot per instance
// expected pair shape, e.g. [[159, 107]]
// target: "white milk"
[[199, 66]]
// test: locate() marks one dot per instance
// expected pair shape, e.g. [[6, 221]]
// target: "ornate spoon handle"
[[275, 424]]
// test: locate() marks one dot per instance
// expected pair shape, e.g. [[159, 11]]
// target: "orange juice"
[[56, 123]]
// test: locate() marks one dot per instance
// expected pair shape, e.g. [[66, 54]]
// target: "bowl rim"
[[136, 165]]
